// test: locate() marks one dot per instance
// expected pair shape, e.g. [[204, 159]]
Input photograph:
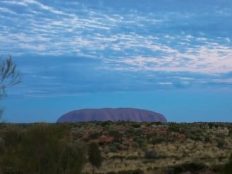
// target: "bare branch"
[[9, 76]]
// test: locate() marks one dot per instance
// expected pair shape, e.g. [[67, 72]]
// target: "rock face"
[[111, 114]]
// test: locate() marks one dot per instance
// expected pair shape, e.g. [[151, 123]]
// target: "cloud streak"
[[209, 58]]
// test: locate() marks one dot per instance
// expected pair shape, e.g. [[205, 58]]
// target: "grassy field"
[[125, 147]]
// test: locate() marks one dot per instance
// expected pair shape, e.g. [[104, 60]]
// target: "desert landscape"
[[125, 148], [115, 87]]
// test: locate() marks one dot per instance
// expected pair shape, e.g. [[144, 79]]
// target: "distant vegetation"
[[116, 148]]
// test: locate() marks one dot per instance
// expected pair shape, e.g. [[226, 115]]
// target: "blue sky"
[[170, 56]]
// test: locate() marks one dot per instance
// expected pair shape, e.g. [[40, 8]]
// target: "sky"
[[169, 56]]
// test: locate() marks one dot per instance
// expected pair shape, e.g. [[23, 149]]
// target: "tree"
[[9, 76], [94, 155]]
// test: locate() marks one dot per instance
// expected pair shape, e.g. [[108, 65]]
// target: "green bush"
[[94, 155], [71, 159], [41, 149]]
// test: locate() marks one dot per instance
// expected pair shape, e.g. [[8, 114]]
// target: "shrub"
[[228, 166], [94, 155], [2, 144], [150, 154], [158, 139], [187, 167], [140, 141], [114, 147], [230, 132], [220, 143], [136, 125], [40, 149], [94, 135], [71, 158], [117, 135], [173, 127], [12, 136]]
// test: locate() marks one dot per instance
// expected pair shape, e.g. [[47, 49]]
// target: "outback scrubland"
[[116, 148]]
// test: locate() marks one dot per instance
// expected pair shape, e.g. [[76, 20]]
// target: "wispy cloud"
[[123, 40], [208, 58]]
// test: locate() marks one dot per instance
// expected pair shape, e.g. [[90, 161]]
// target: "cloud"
[[7, 11], [210, 57], [184, 50]]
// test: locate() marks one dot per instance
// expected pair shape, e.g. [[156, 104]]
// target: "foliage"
[[158, 139], [173, 127], [72, 158], [114, 147], [150, 154], [230, 131], [228, 166], [94, 155], [188, 168], [116, 135], [41, 149]]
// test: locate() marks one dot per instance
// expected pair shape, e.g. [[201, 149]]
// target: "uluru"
[[112, 114]]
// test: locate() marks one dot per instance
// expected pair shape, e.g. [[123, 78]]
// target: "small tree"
[[9, 76], [94, 156]]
